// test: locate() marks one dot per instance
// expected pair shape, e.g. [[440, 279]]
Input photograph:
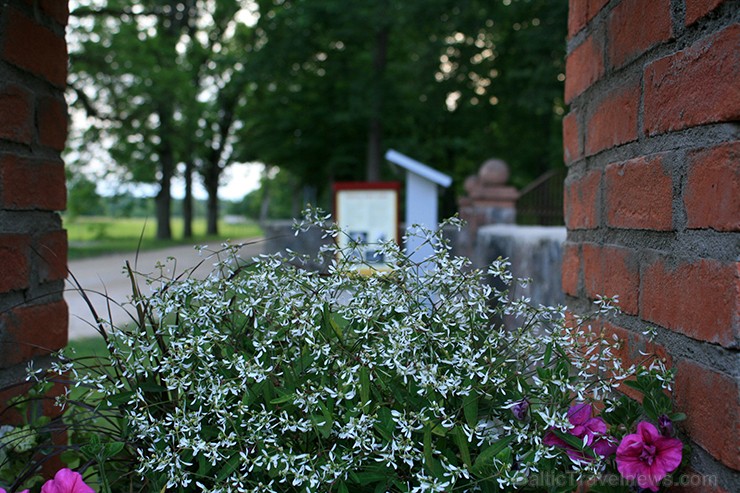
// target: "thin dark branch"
[[111, 12]]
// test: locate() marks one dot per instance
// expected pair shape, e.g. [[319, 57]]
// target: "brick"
[[580, 12], [635, 26], [639, 194], [51, 115], [16, 123], [611, 271], [582, 199], [712, 194], [634, 348], [14, 264], [614, 120], [695, 86], [52, 250], [35, 48], [32, 184], [571, 268], [31, 331], [56, 9], [696, 9], [712, 405], [571, 139], [699, 299], [583, 67]]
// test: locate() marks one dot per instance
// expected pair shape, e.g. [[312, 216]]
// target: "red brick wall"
[[652, 145], [33, 130]]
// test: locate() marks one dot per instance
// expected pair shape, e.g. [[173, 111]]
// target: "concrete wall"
[[535, 252], [33, 130], [653, 196]]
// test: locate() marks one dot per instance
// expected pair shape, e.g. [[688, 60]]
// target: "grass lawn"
[[92, 236], [89, 346]]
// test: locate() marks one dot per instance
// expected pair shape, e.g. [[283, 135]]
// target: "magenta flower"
[[647, 456], [66, 481], [588, 429]]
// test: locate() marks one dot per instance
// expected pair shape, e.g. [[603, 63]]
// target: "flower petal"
[[648, 432], [650, 478], [668, 453], [596, 426], [553, 440], [49, 487], [579, 414]]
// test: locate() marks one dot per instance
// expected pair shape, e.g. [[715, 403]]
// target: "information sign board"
[[368, 212]]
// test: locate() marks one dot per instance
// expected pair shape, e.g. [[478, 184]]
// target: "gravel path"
[[103, 279]]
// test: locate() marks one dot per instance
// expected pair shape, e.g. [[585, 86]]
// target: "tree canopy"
[[160, 80], [447, 81], [319, 88]]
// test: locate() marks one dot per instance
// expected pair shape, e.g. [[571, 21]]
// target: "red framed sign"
[[369, 213]]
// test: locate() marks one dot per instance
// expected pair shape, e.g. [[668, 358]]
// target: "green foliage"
[[20, 446], [82, 199], [460, 82], [161, 82], [267, 377], [276, 198]]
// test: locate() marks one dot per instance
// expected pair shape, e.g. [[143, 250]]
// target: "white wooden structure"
[[422, 196]]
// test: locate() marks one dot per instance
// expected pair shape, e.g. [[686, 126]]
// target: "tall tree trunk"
[[265, 201], [163, 200], [187, 204], [375, 127], [210, 179]]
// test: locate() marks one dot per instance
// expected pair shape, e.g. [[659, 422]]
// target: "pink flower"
[[647, 456], [66, 481], [586, 428]]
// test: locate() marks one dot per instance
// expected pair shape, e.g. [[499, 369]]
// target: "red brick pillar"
[[33, 130], [653, 196]]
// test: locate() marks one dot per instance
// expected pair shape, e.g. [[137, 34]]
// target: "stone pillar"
[[489, 201]]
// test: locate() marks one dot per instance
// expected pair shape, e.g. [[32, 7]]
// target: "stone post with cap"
[[488, 201]]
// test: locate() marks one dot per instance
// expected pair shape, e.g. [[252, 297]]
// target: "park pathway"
[[103, 279]]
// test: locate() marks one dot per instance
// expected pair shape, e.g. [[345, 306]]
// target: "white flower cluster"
[[268, 377]]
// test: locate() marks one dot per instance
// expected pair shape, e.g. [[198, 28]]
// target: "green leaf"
[[112, 449], [485, 458], [428, 458], [120, 399], [70, 458], [651, 410], [342, 487], [364, 385], [575, 442], [635, 385], [155, 388], [385, 423], [371, 477], [548, 354], [470, 408], [228, 468], [324, 422], [462, 443], [283, 399]]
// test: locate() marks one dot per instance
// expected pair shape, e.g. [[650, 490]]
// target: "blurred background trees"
[[317, 90]]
